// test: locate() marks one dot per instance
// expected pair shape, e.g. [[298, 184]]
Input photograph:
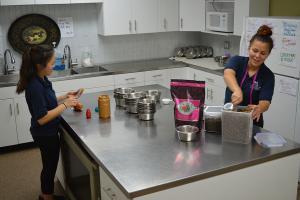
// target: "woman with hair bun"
[[45, 109], [249, 81]]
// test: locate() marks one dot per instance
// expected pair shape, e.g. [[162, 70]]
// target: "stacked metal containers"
[[119, 94], [146, 108]]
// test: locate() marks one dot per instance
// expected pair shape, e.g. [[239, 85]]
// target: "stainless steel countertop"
[[144, 157], [114, 69]]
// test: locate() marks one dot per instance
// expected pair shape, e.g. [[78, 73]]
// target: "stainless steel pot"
[[187, 132]]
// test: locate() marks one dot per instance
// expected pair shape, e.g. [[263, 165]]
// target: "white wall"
[[106, 49]]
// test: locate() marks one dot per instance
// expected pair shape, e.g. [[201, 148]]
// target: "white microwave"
[[219, 21]]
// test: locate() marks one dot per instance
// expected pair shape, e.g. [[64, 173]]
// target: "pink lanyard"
[[252, 86]]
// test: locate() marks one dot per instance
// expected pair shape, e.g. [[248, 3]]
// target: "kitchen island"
[[145, 160]]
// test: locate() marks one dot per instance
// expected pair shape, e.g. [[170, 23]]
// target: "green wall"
[[284, 8]]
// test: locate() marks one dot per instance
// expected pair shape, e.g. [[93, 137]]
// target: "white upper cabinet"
[[168, 15], [145, 16], [115, 17], [192, 15], [16, 2], [247, 8], [40, 2], [119, 17]]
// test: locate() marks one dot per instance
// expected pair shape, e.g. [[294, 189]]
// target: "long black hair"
[[264, 34], [32, 57]]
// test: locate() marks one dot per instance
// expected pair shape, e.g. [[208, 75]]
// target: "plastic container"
[[59, 60], [104, 106], [87, 57], [237, 126], [212, 119]]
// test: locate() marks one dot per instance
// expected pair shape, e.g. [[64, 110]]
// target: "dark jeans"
[[49, 147]]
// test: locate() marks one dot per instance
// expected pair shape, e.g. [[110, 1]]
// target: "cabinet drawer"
[[155, 75], [212, 79], [87, 83], [109, 190], [128, 79]]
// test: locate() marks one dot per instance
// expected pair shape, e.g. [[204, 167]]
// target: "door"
[[145, 16], [8, 125], [280, 118], [115, 18], [168, 17], [192, 15], [22, 120]]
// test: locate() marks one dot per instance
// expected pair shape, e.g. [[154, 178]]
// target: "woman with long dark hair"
[[249, 81], [45, 109]]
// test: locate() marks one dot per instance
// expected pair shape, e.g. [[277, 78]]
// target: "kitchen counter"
[[118, 68], [143, 157]]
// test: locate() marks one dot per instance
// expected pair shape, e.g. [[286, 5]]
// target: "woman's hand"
[[71, 101], [237, 97], [256, 112]]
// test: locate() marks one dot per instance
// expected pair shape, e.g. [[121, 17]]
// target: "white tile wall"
[[106, 49]]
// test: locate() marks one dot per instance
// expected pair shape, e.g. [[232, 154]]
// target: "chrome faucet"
[[67, 55], [8, 70]]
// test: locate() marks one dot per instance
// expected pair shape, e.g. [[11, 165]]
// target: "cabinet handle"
[[165, 23], [212, 94], [194, 76], [181, 23], [18, 111], [157, 75], [110, 193], [130, 26], [10, 108], [210, 80], [129, 79], [135, 26]]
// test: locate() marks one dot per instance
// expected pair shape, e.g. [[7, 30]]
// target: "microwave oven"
[[219, 21]]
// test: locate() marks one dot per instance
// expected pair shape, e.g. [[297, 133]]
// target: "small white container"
[[166, 101]]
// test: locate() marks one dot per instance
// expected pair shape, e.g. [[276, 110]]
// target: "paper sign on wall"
[[66, 26], [288, 86]]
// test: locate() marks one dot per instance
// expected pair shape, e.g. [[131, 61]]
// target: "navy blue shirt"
[[263, 86], [41, 98]]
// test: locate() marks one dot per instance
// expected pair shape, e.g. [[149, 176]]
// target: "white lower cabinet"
[[8, 124], [160, 77], [15, 122], [130, 80], [23, 119], [214, 86]]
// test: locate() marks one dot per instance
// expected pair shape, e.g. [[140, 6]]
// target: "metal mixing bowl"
[[187, 132]]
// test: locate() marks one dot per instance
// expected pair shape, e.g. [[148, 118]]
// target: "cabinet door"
[[168, 17], [22, 120], [8, 126], [52, 1], [145, 16], [192, 15], [16, 2], [115, 18], [215, 95], [86, 1]]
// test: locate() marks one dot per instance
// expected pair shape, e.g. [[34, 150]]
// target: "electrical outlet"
[[226, 44]]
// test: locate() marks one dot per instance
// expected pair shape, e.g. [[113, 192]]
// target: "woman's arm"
[[52, 114], [62, 97], [262, 106], [232, 84]]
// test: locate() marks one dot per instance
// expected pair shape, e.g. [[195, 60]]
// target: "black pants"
[[49, 147]]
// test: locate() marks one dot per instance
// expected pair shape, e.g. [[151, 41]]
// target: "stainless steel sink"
[[93, 69], [62, 73]]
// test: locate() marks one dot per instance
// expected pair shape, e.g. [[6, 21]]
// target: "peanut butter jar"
[[104, 106]]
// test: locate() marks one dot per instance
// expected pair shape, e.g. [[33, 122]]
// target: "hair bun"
[[264, 30]]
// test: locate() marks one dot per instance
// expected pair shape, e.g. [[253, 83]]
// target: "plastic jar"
[[104, 106]]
